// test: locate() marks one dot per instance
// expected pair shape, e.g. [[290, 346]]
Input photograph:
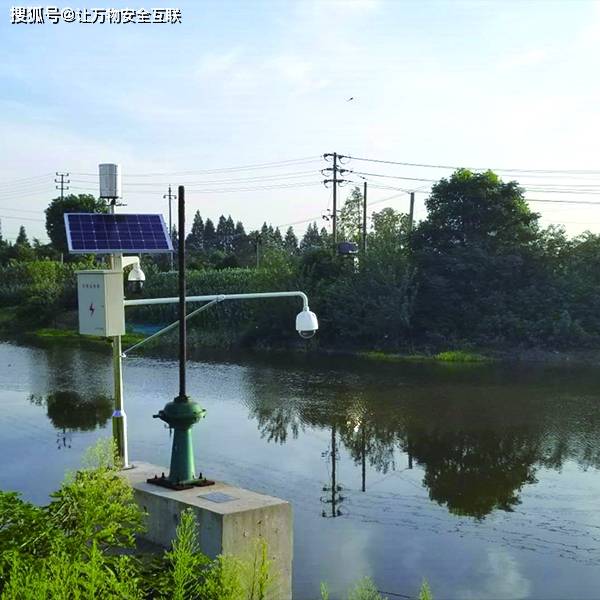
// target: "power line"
[[22, 218], [266, 165], [26, 179], [227, 190], [37, 212], [563, 201], [512, 170], [256, 179]]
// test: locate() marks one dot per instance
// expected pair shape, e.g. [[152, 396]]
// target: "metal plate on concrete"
[[217, 497]]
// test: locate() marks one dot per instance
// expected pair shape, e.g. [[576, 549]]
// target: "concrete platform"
[[230, 520]]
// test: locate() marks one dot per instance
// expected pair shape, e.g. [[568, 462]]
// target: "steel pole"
[[182, 289], [119, 418], [170, 227], [181, 413]]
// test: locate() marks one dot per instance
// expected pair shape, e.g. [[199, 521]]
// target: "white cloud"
[[503, 579]]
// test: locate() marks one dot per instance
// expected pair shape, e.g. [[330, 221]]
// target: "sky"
[[240, 101]]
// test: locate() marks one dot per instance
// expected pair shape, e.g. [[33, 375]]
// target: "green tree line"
[[479, 270]]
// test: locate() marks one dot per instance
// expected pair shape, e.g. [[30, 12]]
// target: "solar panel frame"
[[100, 233]]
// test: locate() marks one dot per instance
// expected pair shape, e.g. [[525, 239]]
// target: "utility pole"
[[411, 212], [170, 196], [62, 183], [364, 219], [334, 224], [258, 242], [335, 180]]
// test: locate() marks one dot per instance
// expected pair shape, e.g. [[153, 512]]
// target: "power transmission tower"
[[62, 183], [335, 180], [170, 196]]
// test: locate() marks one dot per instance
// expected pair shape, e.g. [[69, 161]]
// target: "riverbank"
[[65, 333]]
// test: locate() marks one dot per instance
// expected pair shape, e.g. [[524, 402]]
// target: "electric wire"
[[265, 165], [454, 167]]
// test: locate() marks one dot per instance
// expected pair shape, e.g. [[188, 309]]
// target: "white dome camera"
[[306, 324], [135, 279]]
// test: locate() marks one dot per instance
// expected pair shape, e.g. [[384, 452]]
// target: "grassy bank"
[[69, 336], [449, 356]]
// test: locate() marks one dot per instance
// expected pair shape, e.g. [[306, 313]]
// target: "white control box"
[[100, 297]]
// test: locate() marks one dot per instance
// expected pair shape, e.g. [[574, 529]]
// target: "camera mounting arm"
[[306, 321]]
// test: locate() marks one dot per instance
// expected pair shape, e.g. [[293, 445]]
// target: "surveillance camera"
[[135, 279], [306, 334], [135, 287], [306, 324]]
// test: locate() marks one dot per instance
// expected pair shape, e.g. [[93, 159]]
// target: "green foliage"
[[460, 356], [425, 592], [477, 272], [96, 505], [350, 217], [55, 224], [365, 589], [64, 576]]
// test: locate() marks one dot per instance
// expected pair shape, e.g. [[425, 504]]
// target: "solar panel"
[[94, 233]]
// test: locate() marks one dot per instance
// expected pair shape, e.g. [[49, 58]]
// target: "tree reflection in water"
[[69, 411], [477, 444]]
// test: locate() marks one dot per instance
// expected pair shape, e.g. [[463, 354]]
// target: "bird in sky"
[[349, 99]]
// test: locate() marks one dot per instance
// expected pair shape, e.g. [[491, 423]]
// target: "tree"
[[229, 235], [175, 238], [222, 233], [22, 239], [195, 239], [277, 240], [350, 217], [55, 224], [311, 239], [290, 242], [475, 256], [242, 246], [389, 232], [210, 236]]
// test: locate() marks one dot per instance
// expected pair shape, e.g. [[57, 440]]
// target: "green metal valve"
[[181, 414]]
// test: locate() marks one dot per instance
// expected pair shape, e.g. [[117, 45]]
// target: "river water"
[[482, 479]]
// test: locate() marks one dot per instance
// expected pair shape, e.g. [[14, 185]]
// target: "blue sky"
[[508, 84]]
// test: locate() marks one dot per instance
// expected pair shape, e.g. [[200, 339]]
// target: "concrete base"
[[230, 520]]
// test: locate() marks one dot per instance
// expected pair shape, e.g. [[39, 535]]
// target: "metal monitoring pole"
[[119, 418], [182, 289], [110, 190], [181, 413]]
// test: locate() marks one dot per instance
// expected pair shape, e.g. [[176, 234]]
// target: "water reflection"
[[478, 446], [332, 495], [69, 411]]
